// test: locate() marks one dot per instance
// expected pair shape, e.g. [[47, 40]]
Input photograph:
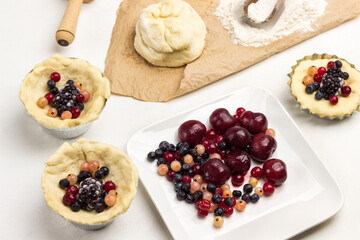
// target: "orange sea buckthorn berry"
[[78, 84], [225, 186], [218, 221], [194, 187], [175, 166], [42, 102], [66, 115], [307, 80], [240, 205], [259, 191], [227, 193], [94, 165], [346, 83], [207, 195], [72, 179], [110, 200], [253, 182], [188, 159], [215, 155], [113, 192], [52, 112], [200, 149], [162, 169], [86, 94], [312, 70], [203, 187], [85, 166], [270, 132], [198, 178]]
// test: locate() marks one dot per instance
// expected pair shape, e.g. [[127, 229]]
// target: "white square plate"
[[308, 197]]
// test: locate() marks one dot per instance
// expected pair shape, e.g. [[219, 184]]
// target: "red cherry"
[[219, 191], [318, 77], [256, 172], [204, 205], [109, 185], [345, 91], [205, 142], [49, 97], [177, 155], [333, 100], [169, 156], [210, 134], [196, 168], [240, 111], [202, 213], [72, 189], [55, 76], [75, 112], [80, 97], [322, 70], [69, 198], [211, 148], [268, 188], [186, 178], [237, 180], [219, 138], [331, 64], [170, 175], [228, 211]]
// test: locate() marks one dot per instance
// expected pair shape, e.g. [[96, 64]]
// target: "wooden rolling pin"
[[66, 32]]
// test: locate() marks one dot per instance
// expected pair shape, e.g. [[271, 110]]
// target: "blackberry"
[[332, 82], [90, 192], [65, 99]]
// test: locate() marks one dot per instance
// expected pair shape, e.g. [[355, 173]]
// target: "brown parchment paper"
[[131, 75]]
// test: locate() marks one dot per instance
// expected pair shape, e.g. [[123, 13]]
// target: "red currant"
[[268, 188], [237, 180], [331, 64], [204, 205], [80, 97], [49, 97], [236, 117], [169, 156], [240, 111], [228, 210], [196, 168], [321, 70], [186, 178], [256, 172], [222, 203], [55, 76], [75, 112], [318, 77], [222, 153], [219, 191], [177, 155], [219, 138], [205, 142], [109, 185], [72, 189], [234, 201], [333, 100], [211, 148], [69, 198], [202, 213], [345, 91], [170, 175], [197, 203], [210, 134]]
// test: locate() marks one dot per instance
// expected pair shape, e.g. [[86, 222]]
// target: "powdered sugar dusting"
[[298, 16]]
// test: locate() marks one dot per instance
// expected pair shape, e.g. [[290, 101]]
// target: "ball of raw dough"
[[170, 34]]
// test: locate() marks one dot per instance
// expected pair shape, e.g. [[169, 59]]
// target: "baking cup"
[[68, 159], [67, 133], [309, 110]]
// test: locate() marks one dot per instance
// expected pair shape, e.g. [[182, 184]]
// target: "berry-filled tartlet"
[[326, 85], [65, 95], [222, 168], [89, 183]]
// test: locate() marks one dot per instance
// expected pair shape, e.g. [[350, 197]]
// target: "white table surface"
[[28, 37]]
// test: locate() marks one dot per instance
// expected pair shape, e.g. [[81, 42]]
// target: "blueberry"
[[183, 151], [80, 105], [75, 207], [99, 207], [64, 183], [104, 194], [254, 198], [105, 170], [54, 90], [205, 155], [178, 187], [198, 195], [70, 82], [219, 212], [229, 201], [159, 153], [164, 145], [177, 178], [246, 197], [151, 156], [186, 187], [309, 89], [319, 95], [211, 187], [161, 161], [181, 195], [99, 174], [191, 173], [216, 198], [189, 198], [236, 193], [172, 148], [247, 188], [203, 161], [345, 75], [185, 168], [83, 175], [183, 144], [198, 159], [316, 86], [193, 153], [51, 84], [338, 64], [222, 145]]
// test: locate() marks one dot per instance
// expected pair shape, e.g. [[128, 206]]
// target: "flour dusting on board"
[[298, 16]]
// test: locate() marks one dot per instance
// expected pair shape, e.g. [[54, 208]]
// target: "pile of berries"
[[67, 102], [190, 164], [327, 82], [91, 194]]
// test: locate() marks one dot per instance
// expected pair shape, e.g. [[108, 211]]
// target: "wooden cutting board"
[[130, 75]]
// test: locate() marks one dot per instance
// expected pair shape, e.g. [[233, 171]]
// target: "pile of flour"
[[261, 10], [298, 16]]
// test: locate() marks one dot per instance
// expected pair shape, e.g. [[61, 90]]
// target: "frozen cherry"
[[238, 161], [221, 120], [237, 137], [268, 188], [215, 171], [109, 185], [256, 172], [345, 91], [333, 100], [55, 76], [274, 171], [253, 122], [191, 131], [75, 112], [69, 198], [262, 146]]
